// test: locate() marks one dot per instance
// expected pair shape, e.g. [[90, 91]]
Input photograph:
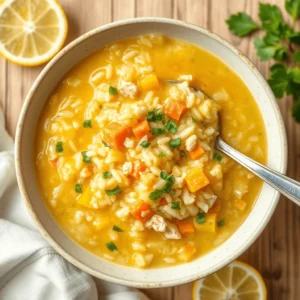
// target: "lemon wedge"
[[31, 31], [237, 281]]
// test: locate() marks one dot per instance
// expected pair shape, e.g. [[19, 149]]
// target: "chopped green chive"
[[86, 158], [164, 175], [155, 115], [161, 154], [105, 144], [175, 205], [200, 218], [158, 131], [78, 188], [194, 120], [145, 144], [175, 143], [111, 246], [171, 126], [156, 194], [87, 124], [113, 91], [218, 157], [114, 191], [221, 223], [116, 228], [182, 153], [106, 175], [59, 147]]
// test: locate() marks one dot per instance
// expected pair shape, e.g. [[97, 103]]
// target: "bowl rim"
[[25, 109]]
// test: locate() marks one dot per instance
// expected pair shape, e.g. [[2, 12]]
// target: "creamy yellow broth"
[[73, 101]]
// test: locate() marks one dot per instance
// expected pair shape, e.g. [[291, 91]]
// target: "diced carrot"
[[162, 202], [54, 162], [174, 109], [138, 167], [195, 180], [240, 204], [215, 209], [143, 213], [185, 227], [149, 82], [197, 152], [115, 134], [141, 129]]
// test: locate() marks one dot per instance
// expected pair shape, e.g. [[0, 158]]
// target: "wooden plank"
[[154, 8], [123, 9], [3, 83]]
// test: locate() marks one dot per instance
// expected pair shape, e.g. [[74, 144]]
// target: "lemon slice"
[[31, 31], [237, 281]]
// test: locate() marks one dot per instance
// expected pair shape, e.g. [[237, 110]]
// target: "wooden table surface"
[[276, 252]]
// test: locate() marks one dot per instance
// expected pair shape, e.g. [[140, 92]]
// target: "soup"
[[125, 160]]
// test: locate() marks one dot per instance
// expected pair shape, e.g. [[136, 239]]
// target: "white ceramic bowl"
[[53, 73]]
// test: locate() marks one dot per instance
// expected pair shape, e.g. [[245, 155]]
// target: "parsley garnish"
[[200, 218], [175, 205], [114, 191], [278, 44], [158, 131], [113, 91], [171, 126], [161, 154], [86, 158], [155, 115], [87, 124], [106, 175], [78, 188], [156, 194], [175, 143], [221, 223], [116, 228], [145, 144], [105, 144], [218, 157], [170, 180], [111, 246], [59, 147]]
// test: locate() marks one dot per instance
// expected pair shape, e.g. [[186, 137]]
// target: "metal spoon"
[[283, 184]]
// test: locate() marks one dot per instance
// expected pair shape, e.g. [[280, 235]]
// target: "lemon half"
[[31, 31], [237, 281]]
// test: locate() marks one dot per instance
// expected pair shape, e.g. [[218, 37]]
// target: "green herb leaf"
[[155, 115], [175, 205], [78, 188], [106, 175], [156, 194], [221, 223], [158, 131], [168, 186], [278, 81], [296, 56], [105, 144], [87, 124], [164, 175], [241, 24], [294, 37], [111, 246], [116, 228], [200, 218], [195, 121], [218, 157], [59, 147], [113, 91], [270, 17], [266, 51], [175, 143], [293, 8], [161, 154], [171, 126], [296, 111], [86, 158], [294, 74], [182, 153], [271, 38], [114, 191], [145, 144]]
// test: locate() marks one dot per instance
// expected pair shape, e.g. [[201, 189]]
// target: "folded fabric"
[[29, 267]]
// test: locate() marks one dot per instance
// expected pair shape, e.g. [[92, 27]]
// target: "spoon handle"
[[285, 185]]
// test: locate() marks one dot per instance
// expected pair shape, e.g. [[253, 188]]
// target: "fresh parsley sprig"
[[280, 43]]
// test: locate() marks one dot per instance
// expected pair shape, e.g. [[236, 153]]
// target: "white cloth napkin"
[[29, 267]]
